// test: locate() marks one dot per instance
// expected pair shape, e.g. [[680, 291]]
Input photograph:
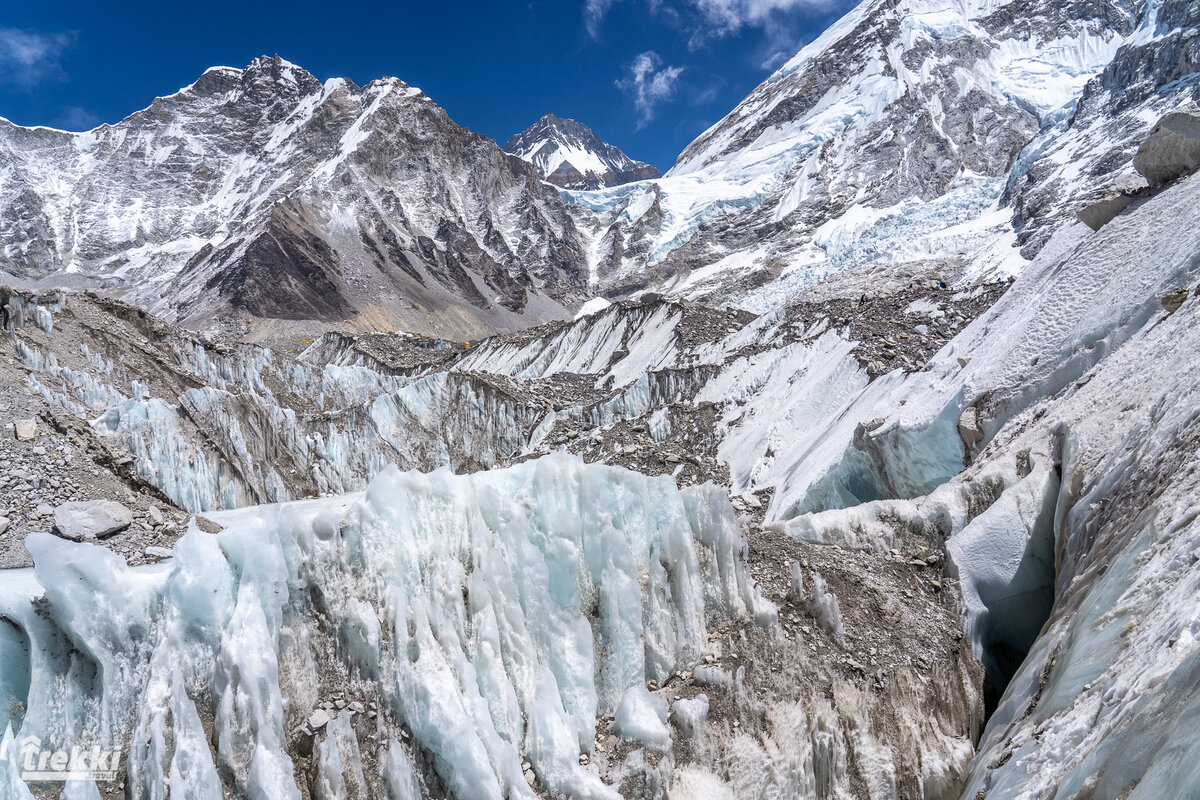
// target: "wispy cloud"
[[649, 82], [703, 21], [594, 12], [28, 58], [77, 118], [730, 16]]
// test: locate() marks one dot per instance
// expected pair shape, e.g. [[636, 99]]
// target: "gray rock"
[[89, 519], [969, 428], [317, 720], [26, 429], [159, 552], [3, 524], [155, 515], [1172, 150]]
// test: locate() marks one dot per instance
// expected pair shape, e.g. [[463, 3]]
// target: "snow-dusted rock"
[[689, 715], [969, 428], [317, 720], [642, 717], [1173, 300]]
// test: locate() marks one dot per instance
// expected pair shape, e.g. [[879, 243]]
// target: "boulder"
[[1173, 300], [1172, 150], [969, 428], [1098, 208], [90, 519], [751, 500], [26, 429], [3, 524], [207, 525]]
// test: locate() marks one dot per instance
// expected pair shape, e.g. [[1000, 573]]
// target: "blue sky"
[[647, 75]]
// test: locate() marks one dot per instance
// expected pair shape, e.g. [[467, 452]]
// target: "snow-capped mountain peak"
[[261, 194], [570, 154]]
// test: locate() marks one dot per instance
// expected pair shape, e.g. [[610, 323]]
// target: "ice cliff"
[[485, 621]]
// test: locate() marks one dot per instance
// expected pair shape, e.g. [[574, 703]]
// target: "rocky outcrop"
[[1089, 146], [865, 147], [1171, 151]]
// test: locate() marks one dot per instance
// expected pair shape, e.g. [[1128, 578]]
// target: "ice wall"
[[489, 619]]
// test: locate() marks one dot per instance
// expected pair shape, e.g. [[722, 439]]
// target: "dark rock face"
[[569, 154], [260, 194], [289, 272]]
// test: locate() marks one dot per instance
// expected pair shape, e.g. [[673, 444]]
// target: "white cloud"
[[28, 58], [649, 83]]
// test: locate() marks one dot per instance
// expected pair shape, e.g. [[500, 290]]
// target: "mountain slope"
[[888, 139], [260, 194], [569, 154]]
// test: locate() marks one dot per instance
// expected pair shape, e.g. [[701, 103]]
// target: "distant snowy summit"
[[569, 154]]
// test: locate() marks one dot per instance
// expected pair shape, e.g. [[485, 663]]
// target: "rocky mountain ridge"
[[261, 195]]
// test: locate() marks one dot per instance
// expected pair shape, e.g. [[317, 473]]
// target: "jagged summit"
[[570, 154]]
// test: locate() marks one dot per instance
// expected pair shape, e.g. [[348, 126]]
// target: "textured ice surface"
[[1075, 531], [494, 617]]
